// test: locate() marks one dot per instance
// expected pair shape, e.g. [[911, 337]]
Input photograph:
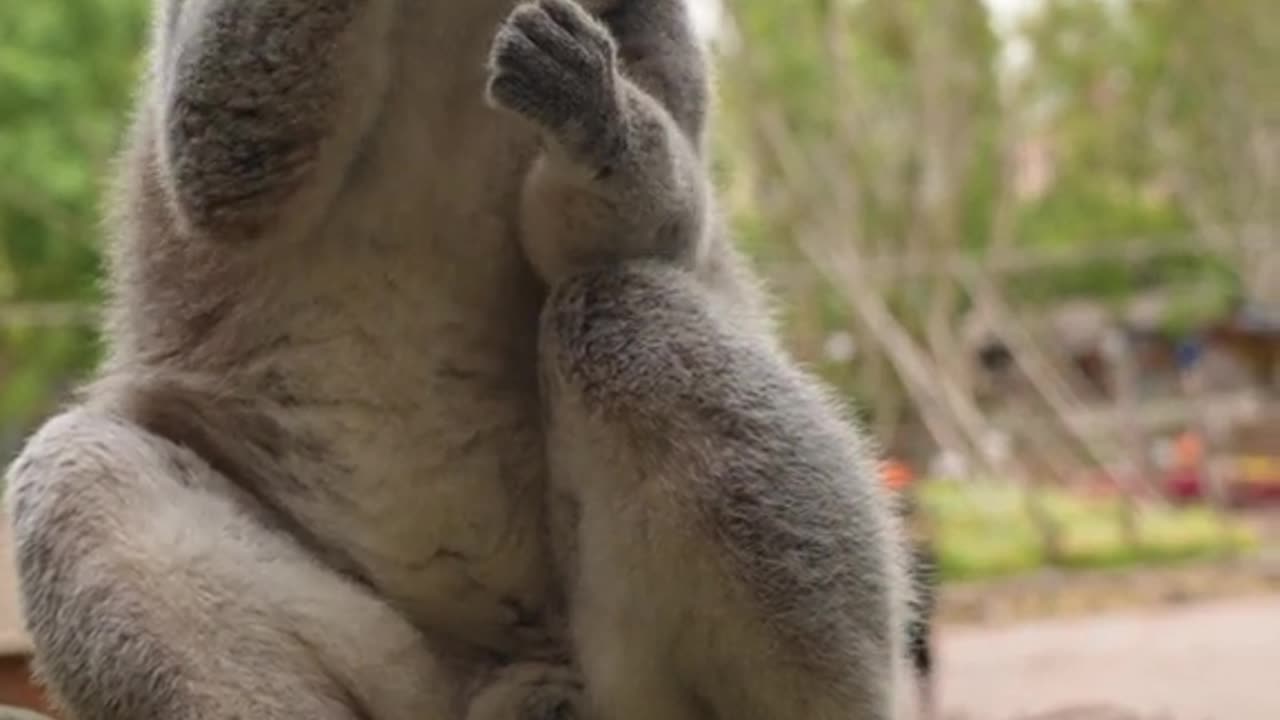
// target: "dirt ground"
[[1213, 661]]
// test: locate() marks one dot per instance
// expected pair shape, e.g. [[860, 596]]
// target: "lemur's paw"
[[554, 64]]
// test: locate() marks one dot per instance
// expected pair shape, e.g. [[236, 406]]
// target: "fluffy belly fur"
[[426, 391], [396, 350]]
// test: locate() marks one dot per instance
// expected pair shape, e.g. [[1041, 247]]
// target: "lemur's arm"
[[260, 106], [621, 98]]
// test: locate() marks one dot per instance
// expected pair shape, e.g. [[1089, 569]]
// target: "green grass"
[[982, 530]]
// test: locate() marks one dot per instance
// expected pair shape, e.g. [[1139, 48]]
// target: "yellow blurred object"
[[1260, 469]]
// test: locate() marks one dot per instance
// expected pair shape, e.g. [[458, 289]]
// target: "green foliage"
[[1128, 98], [1159, 107], [67, 68]]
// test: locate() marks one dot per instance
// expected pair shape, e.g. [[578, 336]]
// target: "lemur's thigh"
[[732, 553], [154, 590]]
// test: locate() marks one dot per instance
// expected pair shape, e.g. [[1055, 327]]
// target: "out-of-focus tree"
[[870, 137], [1220, 127], [1092, 87], [1106, 94], [896, 128]]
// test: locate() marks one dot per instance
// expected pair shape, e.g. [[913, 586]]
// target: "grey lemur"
[[386, 276]]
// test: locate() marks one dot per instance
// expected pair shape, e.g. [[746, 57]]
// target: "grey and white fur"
[[434, 390]]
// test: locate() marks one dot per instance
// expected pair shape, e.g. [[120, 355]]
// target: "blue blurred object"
[[1188, 352]]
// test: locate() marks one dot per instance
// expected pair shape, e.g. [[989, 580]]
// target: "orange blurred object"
[[1188, 450], [896, 474]]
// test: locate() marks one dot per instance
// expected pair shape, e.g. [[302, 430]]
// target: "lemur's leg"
[[735, 555], [155, 589]]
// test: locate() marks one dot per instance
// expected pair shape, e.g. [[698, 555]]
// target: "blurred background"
[[1036, 243]]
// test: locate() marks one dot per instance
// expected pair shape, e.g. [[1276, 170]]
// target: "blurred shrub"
[[981, 529], [66, 69]]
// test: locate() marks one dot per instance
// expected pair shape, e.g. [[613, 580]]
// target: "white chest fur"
[[414, 314]]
